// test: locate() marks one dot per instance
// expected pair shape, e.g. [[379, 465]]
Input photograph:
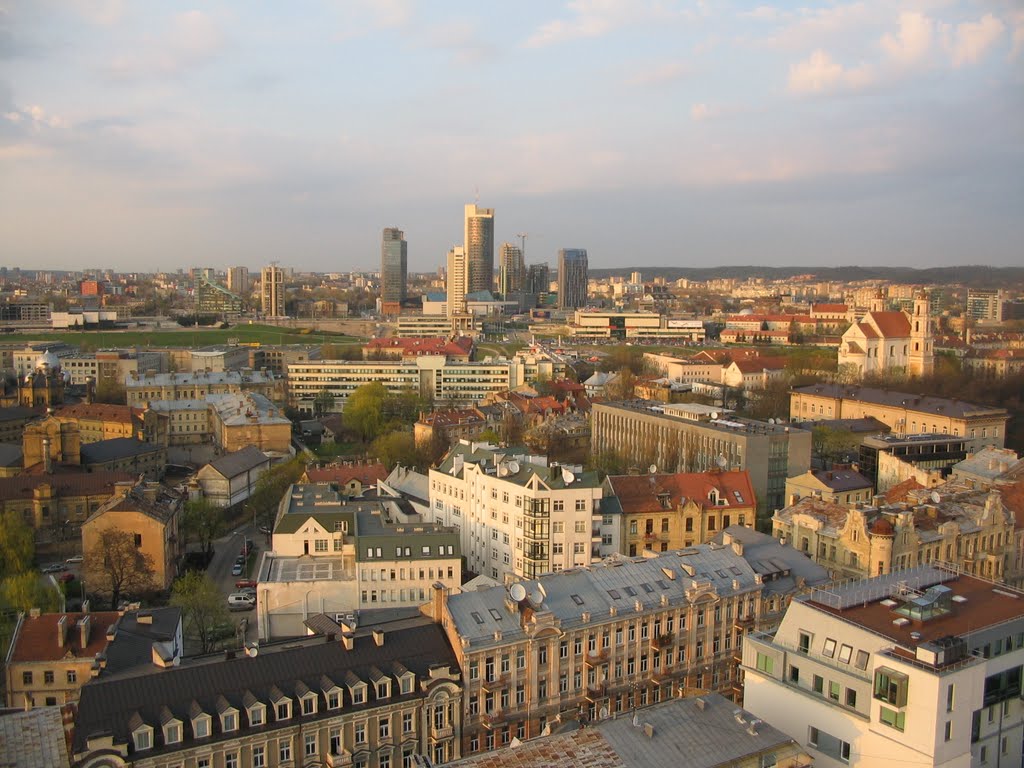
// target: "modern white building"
[[519, 516], [920, 667], [337, 556]]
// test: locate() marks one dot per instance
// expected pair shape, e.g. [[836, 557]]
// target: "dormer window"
[[201, 726], [172, 732], [143, 737], [334, 699], [309, 704], [406, 684], [229, 721], [283, 709], [383, 689], [358, 694], [257, 714]]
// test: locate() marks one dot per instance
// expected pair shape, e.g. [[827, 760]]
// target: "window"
[[143, 738], [229, 721], [804, 643], [891, 687], [360, 733], [26, 678], [284, 750], [72, 676], [202, 762], [201, 727], [310, 742], [844, 653], [384, 729], [862, 660], [833, 690], [765, 663], [284, 710], [949, 698], [407, 722], [851, 697], [231, 760], [818, 684], [172, 733], [794, 674], [948, 734], [48, 677], [830, 648], [259, 757], [256, 716], [892, 718], [812, 735], [334, 700]]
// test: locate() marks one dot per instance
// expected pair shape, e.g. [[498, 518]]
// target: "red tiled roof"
[[901, 491], [867, 330], [343, 474], [37, 639], [892, 324], [462, 345], [98, 411], [832, 309], [639, 493]]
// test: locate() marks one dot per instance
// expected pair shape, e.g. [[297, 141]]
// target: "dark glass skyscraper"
[[394, 265], [511, 271], [572, 278], [538, 279], [478, 243]]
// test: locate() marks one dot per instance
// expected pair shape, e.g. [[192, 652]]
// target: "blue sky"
[[160, 135]]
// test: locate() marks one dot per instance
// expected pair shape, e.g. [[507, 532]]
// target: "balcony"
[[743, 624], [596, 656], [596, 692], [497, 682], [342, 759], [438, 734], [495, 719], [662, 641]]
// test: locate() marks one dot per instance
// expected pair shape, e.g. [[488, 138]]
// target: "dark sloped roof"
[[133, 644], [919, 403], [233, 464], [115, 448], [107, 705], [64, 484], [10, 455]]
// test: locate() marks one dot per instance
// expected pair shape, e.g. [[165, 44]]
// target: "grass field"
[[176, 336]]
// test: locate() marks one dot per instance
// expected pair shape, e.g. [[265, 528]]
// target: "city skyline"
[[856, 132]]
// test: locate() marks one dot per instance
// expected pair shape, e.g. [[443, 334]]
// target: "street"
[[226, 549]]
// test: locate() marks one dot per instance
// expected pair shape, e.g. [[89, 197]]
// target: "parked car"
[[66, 577], [75, 559], [264, 530], [245, 584], [239, 601], [237, 568], [52, 568]]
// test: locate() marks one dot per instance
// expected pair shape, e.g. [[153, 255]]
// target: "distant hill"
[[974, 276]]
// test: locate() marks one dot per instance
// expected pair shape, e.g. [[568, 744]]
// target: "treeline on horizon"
[[970, 275]]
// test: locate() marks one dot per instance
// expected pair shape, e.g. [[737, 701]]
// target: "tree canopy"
[[116, 566], [17, 544], [203, 520], [202, 606]]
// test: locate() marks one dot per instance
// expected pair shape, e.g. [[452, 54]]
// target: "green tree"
[[395, 448], [364, 411], [17, 544], [621, 387], [115, 566], [489, 435], [202, 607], [111, 391], [24, 591], [830, 445], [323, 402], [271, 487], [205, 521]]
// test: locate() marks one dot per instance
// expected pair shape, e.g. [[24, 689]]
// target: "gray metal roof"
[[496, 461], [33, 739], [940, 406], [630, 585], [233, 464], [779, 565], [116, 448]]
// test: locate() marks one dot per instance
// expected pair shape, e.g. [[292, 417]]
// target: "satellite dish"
[[771, 421], [536, 598], [513, 467], [653, 468], [722, 462], [714, 414], [517, 592], [935, 497], [567, 476], [254, 650], [603, 714], [502, 469]]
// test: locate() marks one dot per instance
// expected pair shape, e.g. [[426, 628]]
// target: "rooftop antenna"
[[522, 242]]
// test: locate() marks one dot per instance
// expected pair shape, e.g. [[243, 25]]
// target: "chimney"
[[84, 628], [62, 631], [378, 637], [440, 598], [348, 640], [47, 458]]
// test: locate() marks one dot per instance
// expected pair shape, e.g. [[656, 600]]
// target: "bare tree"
[[116, 565]]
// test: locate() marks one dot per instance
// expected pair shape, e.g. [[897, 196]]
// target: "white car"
[[75, 559]]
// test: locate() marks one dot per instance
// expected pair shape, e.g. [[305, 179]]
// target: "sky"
[[159, 135]]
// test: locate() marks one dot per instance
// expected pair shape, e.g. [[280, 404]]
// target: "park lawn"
[[191, 337]]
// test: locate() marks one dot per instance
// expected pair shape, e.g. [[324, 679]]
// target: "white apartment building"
[[433, 376], [338, 556], [914, 668], [518, 516]]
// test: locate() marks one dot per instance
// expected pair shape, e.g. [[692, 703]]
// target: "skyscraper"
[[394, 265], [272, 291], [511, 270], [572, 278], [538, 279], [238, 280], [458, 274], [478, 244]]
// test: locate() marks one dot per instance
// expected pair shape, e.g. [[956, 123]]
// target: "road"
[[225, 550]]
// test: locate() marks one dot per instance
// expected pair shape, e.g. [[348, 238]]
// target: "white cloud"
[[35, 117], [594, 18], [818, 26], [699, 112], [973, 39], [762, 13], [820, 73], [192, 38], [912, 41], [659, 74]]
